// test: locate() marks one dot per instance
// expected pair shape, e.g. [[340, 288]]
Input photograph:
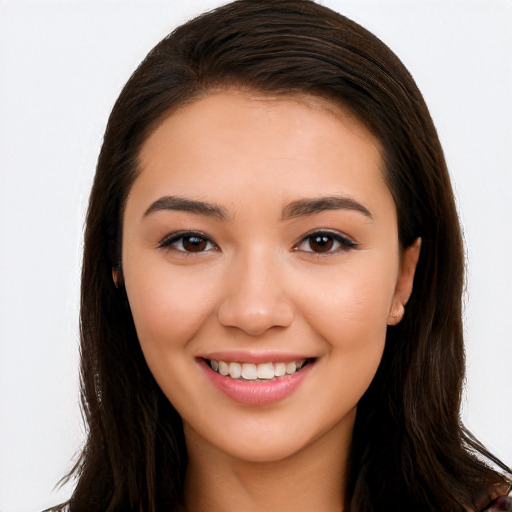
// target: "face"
[[262, 266]]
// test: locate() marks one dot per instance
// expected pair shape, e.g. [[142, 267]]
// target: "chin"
[[262, 442]]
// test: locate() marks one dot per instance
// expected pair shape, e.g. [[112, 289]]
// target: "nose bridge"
[[255, 298]]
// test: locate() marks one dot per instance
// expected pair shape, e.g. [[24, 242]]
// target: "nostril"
[[255, 319]]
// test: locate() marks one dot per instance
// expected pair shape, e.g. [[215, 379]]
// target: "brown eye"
[[325, 242], [188, 243], [194, 243], [321, 243]]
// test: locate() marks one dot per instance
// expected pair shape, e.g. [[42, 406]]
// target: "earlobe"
[[396, 314], [117, 275], [403, 288]]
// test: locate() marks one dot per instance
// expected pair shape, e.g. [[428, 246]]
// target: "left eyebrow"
[[185, 204], [320, 204]]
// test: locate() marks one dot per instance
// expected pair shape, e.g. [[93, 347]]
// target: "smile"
[[262, 372], [257, 383]]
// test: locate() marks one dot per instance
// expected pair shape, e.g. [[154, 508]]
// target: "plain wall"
[[62, 65]]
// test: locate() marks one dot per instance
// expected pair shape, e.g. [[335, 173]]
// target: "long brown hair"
[[409, 449]]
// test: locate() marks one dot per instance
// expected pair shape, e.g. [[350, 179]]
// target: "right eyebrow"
[[185, 204], [319, 204]]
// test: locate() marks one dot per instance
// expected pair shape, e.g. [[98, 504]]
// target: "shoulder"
[[502, 502]]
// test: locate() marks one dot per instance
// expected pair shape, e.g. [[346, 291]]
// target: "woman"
[[272, 280]]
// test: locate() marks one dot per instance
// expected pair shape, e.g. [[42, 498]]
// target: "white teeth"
[[265, 371], [291, 368], [279, 369], [223, 368], [235, 370], [250, 371]]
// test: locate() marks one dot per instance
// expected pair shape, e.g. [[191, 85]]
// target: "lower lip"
[[257, 393]]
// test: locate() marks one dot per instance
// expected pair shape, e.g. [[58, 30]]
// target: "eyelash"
[[344, 243], [170, 242]]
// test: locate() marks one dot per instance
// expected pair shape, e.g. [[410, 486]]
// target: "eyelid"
[[345, 242], [168, 240]]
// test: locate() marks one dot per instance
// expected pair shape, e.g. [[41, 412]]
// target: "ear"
[[117, 275], [403, 288]]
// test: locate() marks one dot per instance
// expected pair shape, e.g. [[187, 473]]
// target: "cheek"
[[350, 308], [351, 319], [167, 308]]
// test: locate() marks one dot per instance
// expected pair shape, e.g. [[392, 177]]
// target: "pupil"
[[321, 243], [194, 244]]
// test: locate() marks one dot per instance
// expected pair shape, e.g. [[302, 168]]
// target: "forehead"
[[222, 109], [236, 140]]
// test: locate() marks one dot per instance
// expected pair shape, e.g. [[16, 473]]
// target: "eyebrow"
[[183, 204], [320, 204], [294, 209]]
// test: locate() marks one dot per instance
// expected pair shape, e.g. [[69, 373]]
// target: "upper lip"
[[255, 357]]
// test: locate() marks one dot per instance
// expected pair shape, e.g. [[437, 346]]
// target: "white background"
[[63, 63]]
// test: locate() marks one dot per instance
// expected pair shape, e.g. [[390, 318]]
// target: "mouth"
[[261, 372], [257, 382]]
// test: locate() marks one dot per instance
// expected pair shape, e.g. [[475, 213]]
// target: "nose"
[[255, 298]]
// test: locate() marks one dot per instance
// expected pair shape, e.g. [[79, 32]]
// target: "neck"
[[311, 479]]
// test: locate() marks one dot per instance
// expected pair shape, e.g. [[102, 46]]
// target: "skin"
[[259, 285]]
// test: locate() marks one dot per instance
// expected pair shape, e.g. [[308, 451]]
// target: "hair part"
[[408, 421]]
